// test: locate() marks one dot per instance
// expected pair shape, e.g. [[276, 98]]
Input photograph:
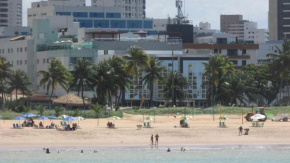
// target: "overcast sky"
[[200, 10]]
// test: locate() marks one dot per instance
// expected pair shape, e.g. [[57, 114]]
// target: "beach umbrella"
[[28, 115], [258, 117], [43, 118], [150, 118], [62, 116], [115, 118], [80, 119], [19, 118], [69, 119], [52, 117]]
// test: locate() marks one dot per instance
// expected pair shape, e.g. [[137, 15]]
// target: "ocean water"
[[135, 155]]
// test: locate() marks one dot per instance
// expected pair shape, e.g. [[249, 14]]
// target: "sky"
[[200, 10]]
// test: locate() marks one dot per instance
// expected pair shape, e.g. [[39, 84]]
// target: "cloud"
[[199, 10]]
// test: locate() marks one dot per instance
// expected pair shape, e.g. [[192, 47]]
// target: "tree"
[[97, 109], [81, 76], [137, 60], [280, 64], [179, 81], [58, 110], [26, 109], [239, 88], [41, 109], [5, 73], [153, 73], [56, 75], [19, 80], [122, 81], [103, 81], [217, 70]]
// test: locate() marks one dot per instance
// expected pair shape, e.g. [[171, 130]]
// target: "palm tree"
[[153, 71], [56, 75], [19, 80], [5, 73], [281, 62], [97, 109], [103, 81], [122, 81], [240, 88], [217, 70], [137, 60], [81, 76], [179, 81]]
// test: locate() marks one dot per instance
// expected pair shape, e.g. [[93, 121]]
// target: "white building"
[[130, 8], [204, 26], [11, 13], [248, 31]]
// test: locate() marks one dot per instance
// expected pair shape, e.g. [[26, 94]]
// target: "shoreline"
[[142, 147]]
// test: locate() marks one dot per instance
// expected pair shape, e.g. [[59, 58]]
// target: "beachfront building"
[[11, 13], [130, 8]]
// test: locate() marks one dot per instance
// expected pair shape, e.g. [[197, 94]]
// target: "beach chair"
[[145, 124], [148, 125], [14, 126], [139, 126], [17, 126]]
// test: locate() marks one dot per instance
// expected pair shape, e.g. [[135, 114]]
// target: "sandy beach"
[[203, 131]]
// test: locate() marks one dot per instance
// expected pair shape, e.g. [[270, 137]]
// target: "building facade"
[[227, 20], [130, 8], [279, 19], [11, 13]]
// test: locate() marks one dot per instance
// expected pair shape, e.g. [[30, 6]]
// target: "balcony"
[[244, 56]]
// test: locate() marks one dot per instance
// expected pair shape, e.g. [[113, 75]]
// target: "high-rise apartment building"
[[11, 13], [227, 20], [130, 8], [279, 19]]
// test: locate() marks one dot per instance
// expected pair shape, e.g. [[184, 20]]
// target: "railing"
[[126, 39]]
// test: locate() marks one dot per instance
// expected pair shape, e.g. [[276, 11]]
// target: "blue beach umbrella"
[[1, 117], [69, 119], [28, 115], [19, 118], [52, 117]]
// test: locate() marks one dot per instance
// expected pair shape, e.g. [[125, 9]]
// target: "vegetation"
[[19, 81], [56, 75]]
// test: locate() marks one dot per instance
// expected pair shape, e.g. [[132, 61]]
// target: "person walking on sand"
[[240, 131], [156, 139], [152, 139]]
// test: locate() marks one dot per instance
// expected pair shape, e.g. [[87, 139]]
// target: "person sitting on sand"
[[41, 125]]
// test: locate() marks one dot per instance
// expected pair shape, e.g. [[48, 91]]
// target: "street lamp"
[[172, 44]]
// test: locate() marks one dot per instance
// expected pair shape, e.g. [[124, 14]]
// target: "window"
[[244, 51], [106, 52], [80, 14], [47, 60], [134, 24], [222, 40], [20, 49], [101, 23], [86, 23], [63, 13], [8, 50], [37, 61], [25, 62], [118, 24], [44, 60], [148, 24], [25, 49], [113, 15], [244, 63], [232, 52], [96, 15], [235, 62], [215, 51], [20, 62], [17, 50], [17, 62]]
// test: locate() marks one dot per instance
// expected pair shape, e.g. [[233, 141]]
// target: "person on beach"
[[240, 131], [82, 151], [156, 139], [168, 150], [152, 139], [47, 151]]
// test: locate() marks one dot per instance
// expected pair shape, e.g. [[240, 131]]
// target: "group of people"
[[110, 125], [28, 123], [41, 126], [68, 127], [156, 139]]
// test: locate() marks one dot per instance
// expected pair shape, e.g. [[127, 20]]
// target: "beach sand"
[[203, 131]]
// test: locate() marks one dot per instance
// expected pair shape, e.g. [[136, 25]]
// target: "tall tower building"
[[11, 13], [279, 19], [227, 20], [130, 8]]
